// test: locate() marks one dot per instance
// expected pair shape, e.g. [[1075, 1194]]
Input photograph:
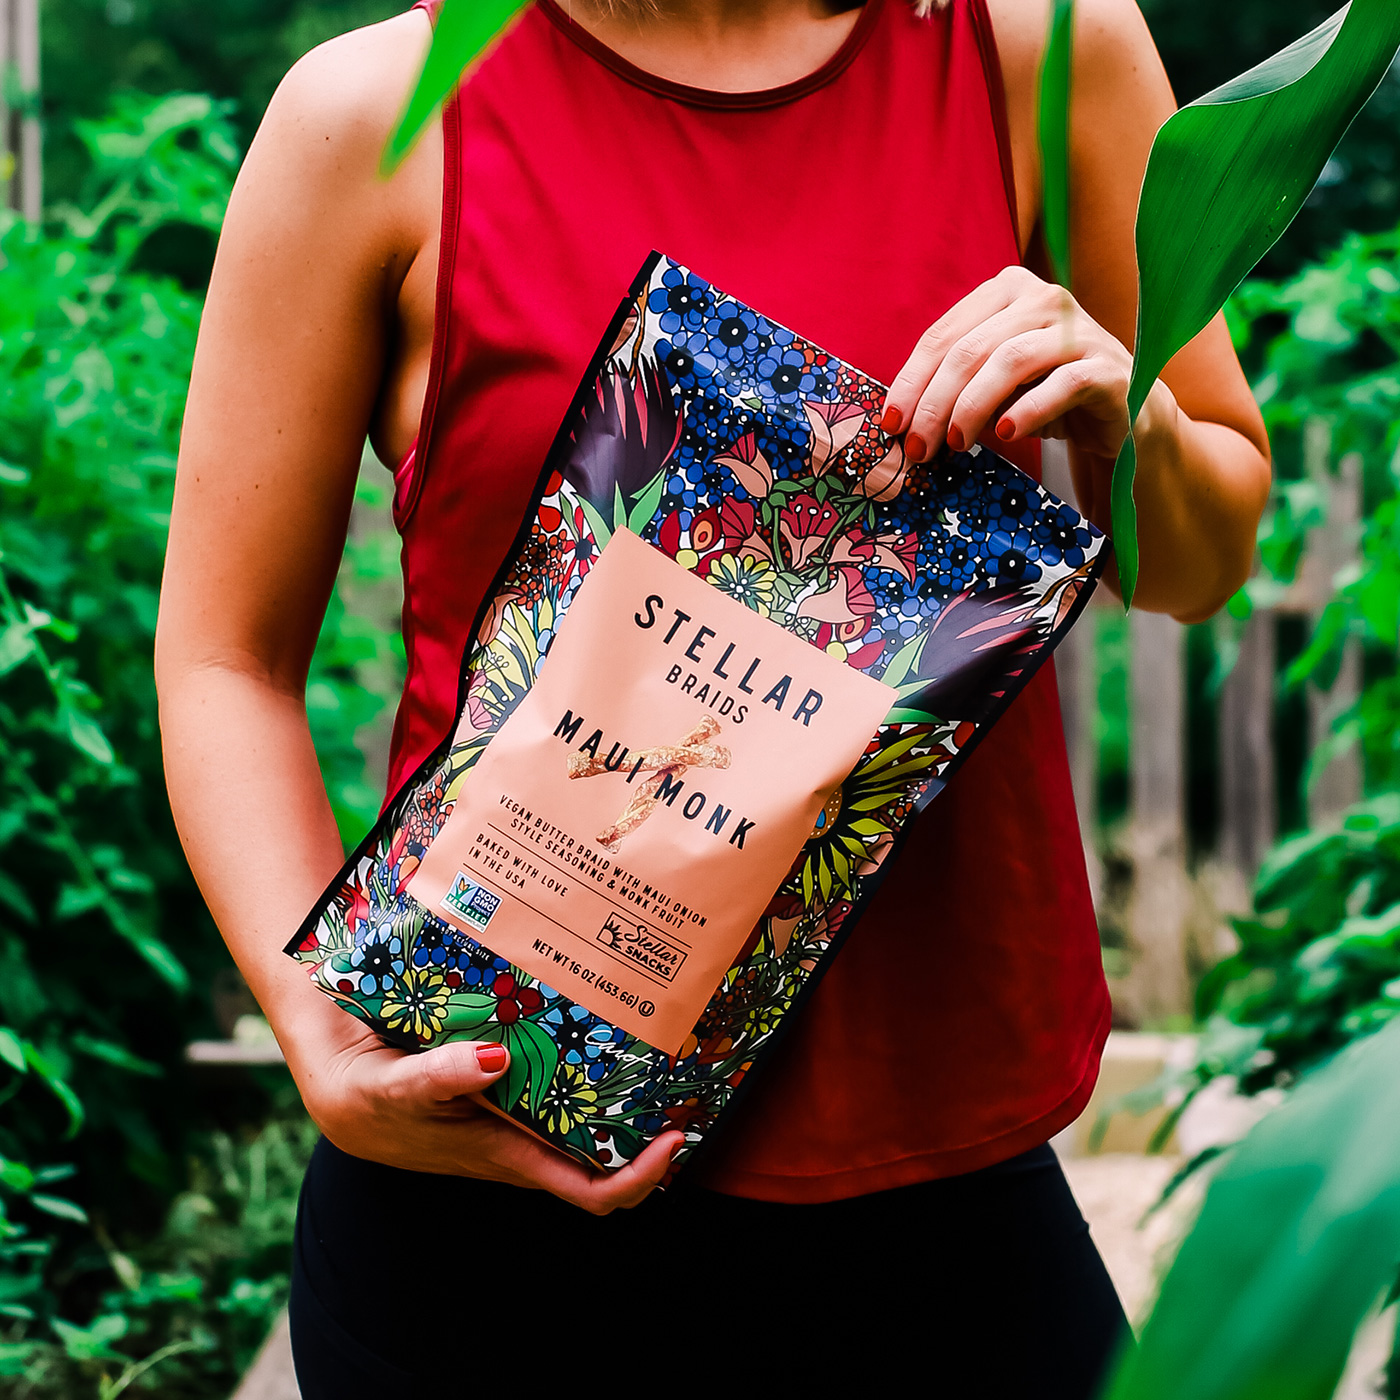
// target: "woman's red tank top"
[[963, 1021]]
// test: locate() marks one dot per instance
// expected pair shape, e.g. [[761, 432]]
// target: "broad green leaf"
[[60, 1207], [92, 1343], [114, 1054], [1056, 65], [1297, 1238], [12, 1050], [86, 735], [74, 900], [171, 969], [16, 645], [44, 1068], [463, 29], [15, 1175], [13, 898], [1226, 176]]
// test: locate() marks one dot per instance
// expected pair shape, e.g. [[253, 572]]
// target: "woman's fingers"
[[1012, 285], [1004, 352], [531, 1163], [453, 1071], [1012, 363], [444, 1128], [1101, 389]]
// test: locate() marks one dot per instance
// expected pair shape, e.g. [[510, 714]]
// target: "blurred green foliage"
[[1318, 962], [106, 950], [240, 51], [236, 51]]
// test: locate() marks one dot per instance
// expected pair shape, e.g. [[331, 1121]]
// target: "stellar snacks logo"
[[640, 944]]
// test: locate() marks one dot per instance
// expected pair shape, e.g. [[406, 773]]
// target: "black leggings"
[[984, 1285]]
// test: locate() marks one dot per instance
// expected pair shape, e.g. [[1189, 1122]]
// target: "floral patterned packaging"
[[639, 848]]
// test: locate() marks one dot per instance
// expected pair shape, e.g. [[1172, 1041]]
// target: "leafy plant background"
[[107, 955], [145, 1208]]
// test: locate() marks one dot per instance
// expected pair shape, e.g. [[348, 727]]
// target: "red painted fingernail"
[[891, 421], [955, 438], [914, 448], [677, 1150], [1006, 430], [491, 1058]]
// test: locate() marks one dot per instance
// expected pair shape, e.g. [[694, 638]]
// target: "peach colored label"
[[623, 831]]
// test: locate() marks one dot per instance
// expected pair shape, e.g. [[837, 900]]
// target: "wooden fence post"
[[1248, 800], [1157, 985], [1335, 546], [21, 134]]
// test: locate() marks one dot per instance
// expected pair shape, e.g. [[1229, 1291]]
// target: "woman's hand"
[[424, 1112], [1021, 357]]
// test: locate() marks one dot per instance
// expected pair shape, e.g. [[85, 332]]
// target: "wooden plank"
[[1336, 548], [9, 185], [271, 1376], [1248, 800], [30, 149]]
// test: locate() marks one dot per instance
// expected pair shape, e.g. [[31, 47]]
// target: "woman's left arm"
[[1020, 357]]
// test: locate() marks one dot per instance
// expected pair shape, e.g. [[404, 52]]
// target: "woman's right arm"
[[293, 358]]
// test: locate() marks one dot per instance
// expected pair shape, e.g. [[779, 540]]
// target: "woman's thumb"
[[453, 1070]]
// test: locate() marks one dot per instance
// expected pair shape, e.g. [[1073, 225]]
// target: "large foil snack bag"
[[739, 643]]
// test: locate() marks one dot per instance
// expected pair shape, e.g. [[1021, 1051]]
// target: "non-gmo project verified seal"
[[473, 903]]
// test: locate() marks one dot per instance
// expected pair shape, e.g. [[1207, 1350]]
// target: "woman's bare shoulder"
[[1107, 33], [353, 87], [326, 127], [312, 174]]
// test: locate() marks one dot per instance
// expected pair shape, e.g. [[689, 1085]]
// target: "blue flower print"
[[682, 301], [783, 375], [1062, 537], [686, 372], [584, 1039], [1013, 557], [379, 961], [732, 333]]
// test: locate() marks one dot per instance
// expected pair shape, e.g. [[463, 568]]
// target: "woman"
[[868, 176]]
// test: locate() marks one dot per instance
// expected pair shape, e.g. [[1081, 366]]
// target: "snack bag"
[[739, 644]]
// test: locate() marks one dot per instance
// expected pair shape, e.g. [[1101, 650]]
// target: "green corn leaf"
[[1226, 177], [1053, 127], [463, 29], [1297, 1238]]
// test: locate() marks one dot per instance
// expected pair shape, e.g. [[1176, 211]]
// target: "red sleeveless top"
[[963, 1021]]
